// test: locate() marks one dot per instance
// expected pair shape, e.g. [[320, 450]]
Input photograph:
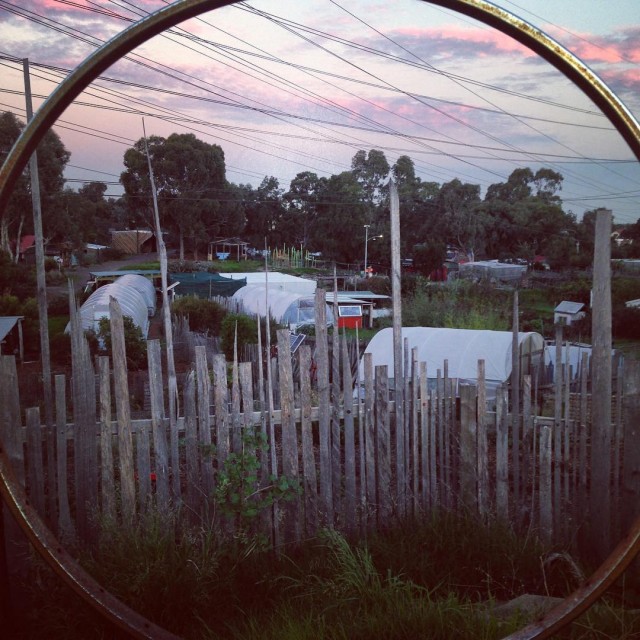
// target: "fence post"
[[383, 445], [468, 448], [502, 454], [107, 479], [349, 441], [35, 462], [123, 412], [630, 505], [290, 469], [601, 389], [324, 415], [154, 356], [308, 459], [65, 526]]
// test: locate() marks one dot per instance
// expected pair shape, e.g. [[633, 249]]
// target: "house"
[[568, 312]]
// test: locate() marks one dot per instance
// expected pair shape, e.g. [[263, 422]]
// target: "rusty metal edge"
[[66, 567], [140, 32]]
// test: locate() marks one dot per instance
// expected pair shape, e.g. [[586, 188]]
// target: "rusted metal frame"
[[588, 594], [66, 567], [154, 24]]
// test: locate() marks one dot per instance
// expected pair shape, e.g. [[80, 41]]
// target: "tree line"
[[520, 218]]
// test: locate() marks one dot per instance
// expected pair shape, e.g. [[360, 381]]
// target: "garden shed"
[[285, 307], [462, 348], [136, 295]]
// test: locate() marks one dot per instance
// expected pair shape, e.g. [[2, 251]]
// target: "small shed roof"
[[569, 307], [7, 323]]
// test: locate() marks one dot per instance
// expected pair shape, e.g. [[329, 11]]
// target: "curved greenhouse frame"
[[135, 294]]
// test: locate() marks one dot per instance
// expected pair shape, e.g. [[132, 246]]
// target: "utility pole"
[[41, 281]]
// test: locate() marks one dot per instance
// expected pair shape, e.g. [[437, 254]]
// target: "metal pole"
[[366, 242]]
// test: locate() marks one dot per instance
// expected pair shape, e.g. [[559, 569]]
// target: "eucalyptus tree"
[[16, 219], [190, 181]]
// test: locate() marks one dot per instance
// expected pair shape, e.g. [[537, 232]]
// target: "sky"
[[285, 86]]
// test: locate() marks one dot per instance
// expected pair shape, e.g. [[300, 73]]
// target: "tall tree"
[[371, 171], [16, 218], [264, 211], [190, 182], [342, 212], [302, 203]]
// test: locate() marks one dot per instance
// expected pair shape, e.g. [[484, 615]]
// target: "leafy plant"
[[135, 345], [239, 494]]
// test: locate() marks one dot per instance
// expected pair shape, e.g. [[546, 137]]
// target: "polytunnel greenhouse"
[[461, 348], [135, 294], [285, 307]]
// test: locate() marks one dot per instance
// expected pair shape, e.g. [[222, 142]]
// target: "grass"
[[141, 266], [436, 579]]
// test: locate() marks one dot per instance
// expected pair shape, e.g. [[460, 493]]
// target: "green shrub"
[[247, 332], [135, 344], [204, 315]]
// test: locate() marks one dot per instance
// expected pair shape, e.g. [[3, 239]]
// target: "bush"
[[203, 315], [247, 333], [626, 323], [135, 345]]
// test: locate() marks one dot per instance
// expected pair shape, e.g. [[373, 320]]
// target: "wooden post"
[[336, 428], [10, 421], [483, 445], [220, 401], [398, 384], [502, 455], [631, 459], [123, 412], [349, 442], [546, 503], [468, 448], [308, 459], [324, 415], [557, 433], [107, 479], [193, 501], [161, 455], [291, 509], [515, 403], [204, 428], [370, 438], [425, 470], [383, 445], [65, 526], [35, 460], [601, 390]]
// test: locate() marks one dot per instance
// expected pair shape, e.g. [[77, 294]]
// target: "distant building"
[[568, 312]]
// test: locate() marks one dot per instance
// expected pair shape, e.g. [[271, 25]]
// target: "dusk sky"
[[289, 86]]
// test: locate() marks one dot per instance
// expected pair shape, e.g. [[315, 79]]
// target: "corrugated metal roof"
[[569, 307]]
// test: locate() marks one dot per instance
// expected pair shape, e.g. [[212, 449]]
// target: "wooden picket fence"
[[345, 459]]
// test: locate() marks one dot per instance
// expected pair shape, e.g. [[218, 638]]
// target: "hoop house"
[[134, 293], [461, 348], [285, 307]]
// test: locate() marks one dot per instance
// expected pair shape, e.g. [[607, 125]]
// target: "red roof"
[[26, 242]]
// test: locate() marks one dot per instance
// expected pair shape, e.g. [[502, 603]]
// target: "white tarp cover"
[[277, 281], [285, 307], [135, 294], [462, 348]]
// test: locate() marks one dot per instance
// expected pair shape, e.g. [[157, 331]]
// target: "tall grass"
[[437, 579], [458, 305]]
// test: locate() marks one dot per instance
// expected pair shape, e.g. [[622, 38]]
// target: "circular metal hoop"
[[171, 15]]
